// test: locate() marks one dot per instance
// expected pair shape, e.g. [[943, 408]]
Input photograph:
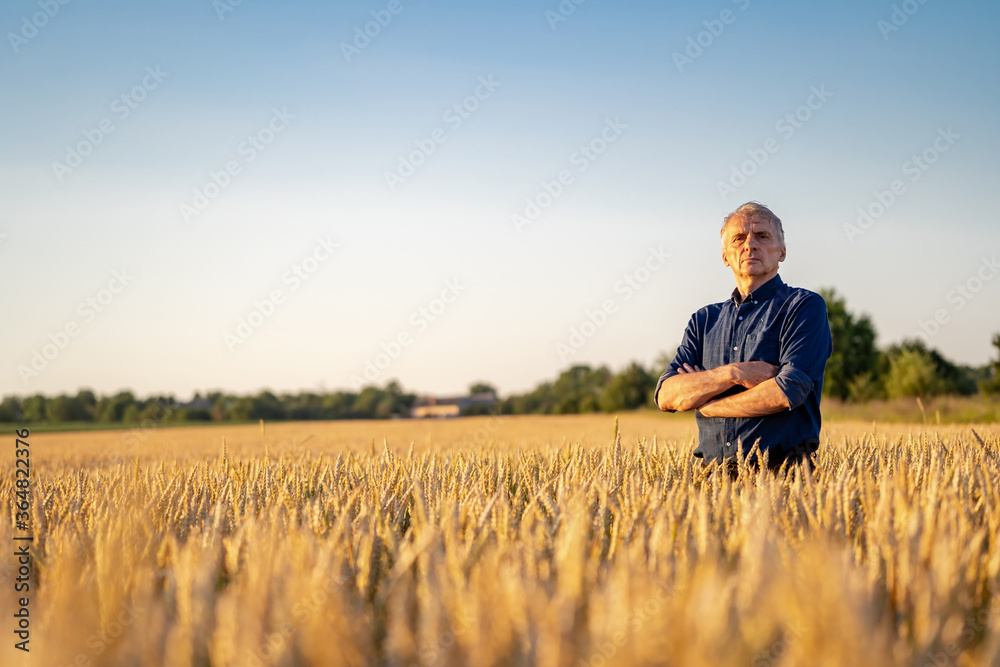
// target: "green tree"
[[61, 409], [991, 385], [264, 405], [132, 415], [366, 403], [33, 408], [386, 407], [912, 373], [375, 403], [240, 410], [113, 409], [401, 402], [338, 405], [863, 388], [306, 405], [155, 412], [86, 403], [662, 361], [221, 405], [950, 378], [10, 409], [482, 388], [854, 351], [579, 388], [630, 389], [267, 406], [537, 401]]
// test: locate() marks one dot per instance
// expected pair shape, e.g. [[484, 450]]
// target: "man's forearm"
[[766, 398], [688, 391]]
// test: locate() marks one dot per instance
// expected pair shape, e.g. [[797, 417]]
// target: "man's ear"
[[781, 258]]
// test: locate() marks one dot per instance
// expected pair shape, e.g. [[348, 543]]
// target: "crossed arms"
[[695, 389], [804, 347]]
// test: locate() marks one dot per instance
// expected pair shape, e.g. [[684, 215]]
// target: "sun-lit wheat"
[[570, 553]]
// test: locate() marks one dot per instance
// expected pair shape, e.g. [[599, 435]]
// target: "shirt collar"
[[759, 294]]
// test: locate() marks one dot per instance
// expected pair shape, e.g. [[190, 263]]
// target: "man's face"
[[750, 247]]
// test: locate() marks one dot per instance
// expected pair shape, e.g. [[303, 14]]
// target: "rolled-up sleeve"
[[805, 346], [689, 352]]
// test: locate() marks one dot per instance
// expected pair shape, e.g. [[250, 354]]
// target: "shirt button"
[[736, 348], [729, 444], [741, 317]]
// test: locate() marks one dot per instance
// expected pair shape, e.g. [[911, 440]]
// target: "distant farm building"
[[432, 406], [197, 403]]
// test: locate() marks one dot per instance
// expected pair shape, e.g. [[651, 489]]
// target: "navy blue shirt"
[[782, 325]]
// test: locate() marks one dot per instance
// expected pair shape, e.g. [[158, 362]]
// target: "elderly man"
[[752, 366]]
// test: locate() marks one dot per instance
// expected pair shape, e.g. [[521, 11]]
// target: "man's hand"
[[764, 399], [751, 373], [693, 387], [688, 368]]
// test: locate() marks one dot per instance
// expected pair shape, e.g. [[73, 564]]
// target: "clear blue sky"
[[162, 97]]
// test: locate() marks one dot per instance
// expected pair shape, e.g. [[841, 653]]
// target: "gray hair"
[[753, 209]]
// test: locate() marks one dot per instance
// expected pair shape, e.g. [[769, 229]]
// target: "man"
[[752, 366]]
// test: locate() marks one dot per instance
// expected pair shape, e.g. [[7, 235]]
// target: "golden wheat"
[[542, 542]]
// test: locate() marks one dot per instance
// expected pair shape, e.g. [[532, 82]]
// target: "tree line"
[[125, 408], [857, 371]]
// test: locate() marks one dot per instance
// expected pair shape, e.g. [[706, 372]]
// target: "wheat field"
[[558, 541]]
